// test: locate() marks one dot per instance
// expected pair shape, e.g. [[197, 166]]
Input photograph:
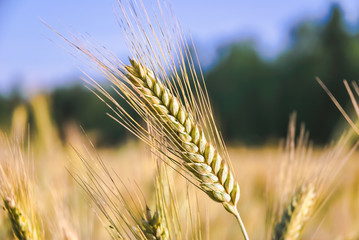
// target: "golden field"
[[59, 198]]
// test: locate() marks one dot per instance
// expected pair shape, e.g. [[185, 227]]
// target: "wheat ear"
[[154, 227], [199, 155], [16, 190], [296, 215], [20, 223]]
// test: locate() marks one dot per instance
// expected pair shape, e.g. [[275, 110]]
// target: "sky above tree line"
[[29, 58]]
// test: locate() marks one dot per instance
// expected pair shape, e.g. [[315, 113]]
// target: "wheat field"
[[66, 211], [176, 178]]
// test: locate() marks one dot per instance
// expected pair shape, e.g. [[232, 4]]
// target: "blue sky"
[[29, 58]]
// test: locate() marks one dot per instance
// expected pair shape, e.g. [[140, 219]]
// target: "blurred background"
[[260, 60]]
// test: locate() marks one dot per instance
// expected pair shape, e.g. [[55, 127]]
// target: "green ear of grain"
[[20, 223], [154, 227]]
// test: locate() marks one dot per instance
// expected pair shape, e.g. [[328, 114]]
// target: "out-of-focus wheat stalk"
[[16, 190], [351, 232], [304, 182], [18, 122], [47, 136], [60, 218]]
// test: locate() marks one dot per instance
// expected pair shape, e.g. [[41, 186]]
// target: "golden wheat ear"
[[199, 156], [186, 143], [296, 215]]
